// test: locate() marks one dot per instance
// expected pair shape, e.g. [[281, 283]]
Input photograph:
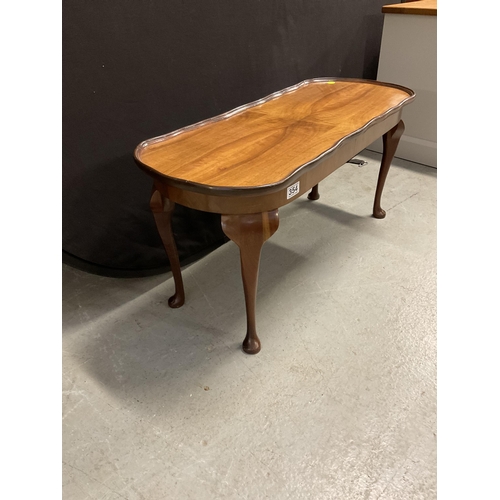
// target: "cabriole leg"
[[162, 209], [390, 141], [249, 232], [314, 194]]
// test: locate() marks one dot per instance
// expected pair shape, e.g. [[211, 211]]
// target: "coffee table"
[[247, 163]]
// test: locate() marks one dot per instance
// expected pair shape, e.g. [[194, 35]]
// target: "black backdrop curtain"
[[136, 69]]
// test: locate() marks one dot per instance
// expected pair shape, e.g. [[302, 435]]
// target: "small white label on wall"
[[292, 190]]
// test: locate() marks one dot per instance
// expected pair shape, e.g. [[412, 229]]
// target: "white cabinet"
[[408, 57]]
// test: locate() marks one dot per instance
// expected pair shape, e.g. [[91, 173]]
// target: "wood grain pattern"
[[419, 8], [244, 164], [266, 142], [254, 200]]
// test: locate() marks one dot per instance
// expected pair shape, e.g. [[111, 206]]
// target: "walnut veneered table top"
[[251, 161], [263, 143]]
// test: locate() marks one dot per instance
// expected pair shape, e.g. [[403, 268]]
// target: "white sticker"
[[292, 190]]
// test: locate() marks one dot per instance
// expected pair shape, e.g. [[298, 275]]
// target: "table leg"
[[390, 141], [162, 209], [249, 232], [314, 194]]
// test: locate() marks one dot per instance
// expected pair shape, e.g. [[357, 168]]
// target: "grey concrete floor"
[[339, 404]]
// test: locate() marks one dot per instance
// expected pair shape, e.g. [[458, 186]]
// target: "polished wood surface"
[[250, 232], [419, 7], [253, 200], [251, 161], [266, 142]]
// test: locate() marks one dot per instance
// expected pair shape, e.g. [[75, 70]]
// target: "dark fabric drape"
[[136, 69]]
